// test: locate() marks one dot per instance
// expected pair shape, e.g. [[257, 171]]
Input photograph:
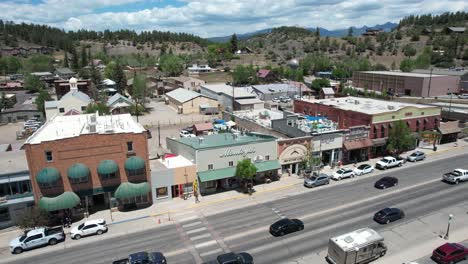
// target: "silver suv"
[[314, 181], [416, 156]]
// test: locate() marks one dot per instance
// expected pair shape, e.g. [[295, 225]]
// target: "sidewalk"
[[167, 211]]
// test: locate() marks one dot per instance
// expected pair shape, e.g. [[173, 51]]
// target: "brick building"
[[407, 83], [81, 161], [378, 115]]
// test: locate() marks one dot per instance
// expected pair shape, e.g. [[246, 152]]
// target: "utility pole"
[[450, 105], [233, 99], [430, 79], [159, 134]]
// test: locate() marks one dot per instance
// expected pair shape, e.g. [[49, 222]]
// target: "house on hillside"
[[195, 68], [244, 50], [458, 30], [266, 76], [119, 104], [372, 31], [326, 93], [186, 82]]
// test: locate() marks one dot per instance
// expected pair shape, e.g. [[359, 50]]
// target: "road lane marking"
[[205, 244], [191, 224], [195, 230], [188, 219], [199, 237], [212, 252]]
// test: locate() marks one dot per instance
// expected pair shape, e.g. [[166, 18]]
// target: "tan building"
[[187, 102], [188, 83], [81, 161]]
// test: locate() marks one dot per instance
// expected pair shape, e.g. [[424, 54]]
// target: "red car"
[[450, 253]]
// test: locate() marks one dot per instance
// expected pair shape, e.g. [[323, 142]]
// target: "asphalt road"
[[328, 211]]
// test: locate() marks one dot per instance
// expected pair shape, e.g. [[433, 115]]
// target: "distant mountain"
[[323, 32]]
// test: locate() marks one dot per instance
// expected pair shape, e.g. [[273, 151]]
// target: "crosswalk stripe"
[[199, 237], [211, 252], [191, 224], [195, 230]]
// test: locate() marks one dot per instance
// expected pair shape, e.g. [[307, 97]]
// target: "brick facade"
[[88, 149]]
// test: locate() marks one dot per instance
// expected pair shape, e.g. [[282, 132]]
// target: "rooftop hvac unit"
[[92, 128], [390, 107], [356, 102]]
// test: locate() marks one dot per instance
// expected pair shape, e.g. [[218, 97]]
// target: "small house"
[[327, 92], [202, 129]]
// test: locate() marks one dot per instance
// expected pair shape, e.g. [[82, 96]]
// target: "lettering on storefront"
[[241, 152]]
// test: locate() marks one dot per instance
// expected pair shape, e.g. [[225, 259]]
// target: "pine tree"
[[75, 61], [65, 60], [233, 43], [84, 57], [120, 79], [317, 32]]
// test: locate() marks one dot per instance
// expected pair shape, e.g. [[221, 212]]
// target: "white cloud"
[[223, 17]]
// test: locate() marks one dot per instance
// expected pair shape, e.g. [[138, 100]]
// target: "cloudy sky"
[[209, 18]]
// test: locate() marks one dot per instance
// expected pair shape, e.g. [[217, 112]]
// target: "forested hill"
[[11, 33], [445, 19]]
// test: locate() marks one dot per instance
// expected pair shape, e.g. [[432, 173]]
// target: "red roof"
[[203, 126], [263, 73], [169, 155], [72, 112]]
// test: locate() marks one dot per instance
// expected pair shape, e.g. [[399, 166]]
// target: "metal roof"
[[221, 88], [275, 88], [223, 140], [182, 95], [357, 238], [116, 97]]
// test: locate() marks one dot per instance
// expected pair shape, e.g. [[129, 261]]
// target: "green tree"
[[423, 61], [138, 92], [350, 32], [317, 84], [110, 70], [409, 50], [33, 84], [13, 64], [35, 217], [244, 75], [75, 61], [40, 100], [84, 57], [102, 108], [38, 63], [5, 103], [65, 60], [398, 35], [120, 79], [171, 65], [399, 138], [233, 43], [407, 65], [246, 171]]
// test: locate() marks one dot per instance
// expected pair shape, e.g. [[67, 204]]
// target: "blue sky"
[[209, 18]]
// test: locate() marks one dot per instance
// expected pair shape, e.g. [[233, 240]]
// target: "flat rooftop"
[[407, 74], [222, 88], [224, 140], [13, 161], [275, 88], [262, 117], [173, 162], [366, 105], [61, 127]]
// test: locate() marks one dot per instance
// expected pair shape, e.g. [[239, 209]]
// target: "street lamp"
[[446, 237], [450, 105]]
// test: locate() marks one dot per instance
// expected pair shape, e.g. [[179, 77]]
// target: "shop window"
[[83, 108], [48, 155], [4, 191], [79, 180], [375, 132], [267, 157], [4, 214], [62, 110], [108, 176], [134, 173], [210, 166], [162, 192], [210, 184], [48, 185], [382, 131], [188, 188], [130, 146], [231, 163]]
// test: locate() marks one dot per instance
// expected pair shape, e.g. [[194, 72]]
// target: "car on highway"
[[90, 227], [388, 215], [450, 253], [286, 226], [363, 169], [416, 156], [386, 182], [343, 173], [463, 96], [233, 258], [314, 181], [147, 258]]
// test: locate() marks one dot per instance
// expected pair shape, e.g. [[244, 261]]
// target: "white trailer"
[[360, 246]]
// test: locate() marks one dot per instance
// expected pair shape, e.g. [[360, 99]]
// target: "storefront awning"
[[78, 171], [66, 200], [129, 190], [267, 165], [212, 175], [358, 144], [107, 167], [48, 175], [134, 163]]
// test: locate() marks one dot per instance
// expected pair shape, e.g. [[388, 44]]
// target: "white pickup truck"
[[389, 162], [456, 176], [36, 238]]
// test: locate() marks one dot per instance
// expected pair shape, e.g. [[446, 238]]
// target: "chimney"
[[73, 84]]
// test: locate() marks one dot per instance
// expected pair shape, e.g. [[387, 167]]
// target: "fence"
[[181, 121]]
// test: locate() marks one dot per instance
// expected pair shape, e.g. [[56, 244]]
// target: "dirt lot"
[[215, 77], [8, 133]]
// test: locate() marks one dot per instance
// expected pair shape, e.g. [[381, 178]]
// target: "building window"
[[62, 110], [231, 163], [4, 214], [108, 176], [79, 180], [267, 157], [417, 125], [48, 155], [393, 117], [290, 123], [382, 131], [375, 132], [422, 113], [48, 185], [130, 146], [134, 173], [162, 192], [83, 108], [210, 166], [188, 188], [210, 184]]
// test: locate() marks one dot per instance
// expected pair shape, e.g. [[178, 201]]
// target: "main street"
[[326, 211]]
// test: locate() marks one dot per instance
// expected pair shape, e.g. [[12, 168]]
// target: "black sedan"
[[286, 226], [228, 258], [386, 182], [388, 215]]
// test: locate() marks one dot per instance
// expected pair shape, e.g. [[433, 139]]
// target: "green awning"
[[48, 175], [107, 167], [129, 190], [212, 175], [267, 165], [134, 163], [66, 200], [77, 171]]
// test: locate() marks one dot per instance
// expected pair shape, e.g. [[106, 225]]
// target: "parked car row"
[[32, 124]]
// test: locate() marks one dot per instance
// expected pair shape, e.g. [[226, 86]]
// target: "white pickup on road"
[[36, 238], [389, 162], [456, 176]]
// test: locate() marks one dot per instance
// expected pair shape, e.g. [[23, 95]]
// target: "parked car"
[[146, 258], [286, 226], [456, 176], [36, 238], [343, 173], [233, 258], [314, 181], [307, 172], [91, 227], [386, 182], [416, 156], [463, 96], [389, 162], [275, 100], [449, 253], [363, 169], [184, 134], [388, 215]]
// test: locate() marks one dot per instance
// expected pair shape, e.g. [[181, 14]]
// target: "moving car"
[[91, 227], [463, 96], [363, 169], [388, 215], [36, 238], [147, 258], [456, 176], [343, 173], [286, 226], [386, 182], [314, 181], [233, 258], [449, 253], [416, 156], [389, 162]]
